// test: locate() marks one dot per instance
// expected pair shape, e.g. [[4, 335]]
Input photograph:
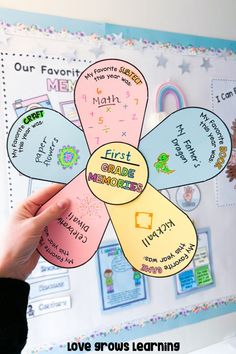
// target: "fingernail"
[[63, 203]]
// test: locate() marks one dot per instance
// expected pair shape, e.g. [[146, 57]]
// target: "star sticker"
[[97, 51], [162, 61], [140, 45], [184, 67], [224, 54], [206, 64], [118, 39], [3, 38], [71, 55], [39, 50]]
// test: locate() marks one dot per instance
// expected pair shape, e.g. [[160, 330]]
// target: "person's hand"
[[18, 254]]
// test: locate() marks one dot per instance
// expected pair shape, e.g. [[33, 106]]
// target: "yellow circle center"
[[117, 173]]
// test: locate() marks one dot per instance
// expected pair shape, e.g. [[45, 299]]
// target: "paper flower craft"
[[110, 173]]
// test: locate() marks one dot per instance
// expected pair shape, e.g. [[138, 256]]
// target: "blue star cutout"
[[184, 67], [162, 61], [4, 37], [224, 54], [206, 64], [97, 51], [71, 55], [140, 45], [118, 38], [40, 50]]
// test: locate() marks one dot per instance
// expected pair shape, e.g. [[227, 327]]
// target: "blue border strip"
[[73, 25], [161, 326], [175, 39]]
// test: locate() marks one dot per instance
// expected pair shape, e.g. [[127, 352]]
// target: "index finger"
[[37, 199]]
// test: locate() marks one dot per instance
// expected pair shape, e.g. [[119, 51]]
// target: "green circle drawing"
[[68, 157]]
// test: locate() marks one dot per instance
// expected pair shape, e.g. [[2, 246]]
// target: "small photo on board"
[[120, 284], [199, 273], [22, 106], [188, 197], [68, 110]]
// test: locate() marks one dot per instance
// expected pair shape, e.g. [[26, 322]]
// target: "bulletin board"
[[41, 59]]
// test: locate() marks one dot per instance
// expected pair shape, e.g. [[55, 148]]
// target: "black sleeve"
[[13, 324]]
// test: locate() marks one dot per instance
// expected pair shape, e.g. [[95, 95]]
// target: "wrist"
[[8, 270]]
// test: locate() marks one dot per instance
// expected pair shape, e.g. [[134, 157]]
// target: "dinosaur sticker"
[[161, 164]]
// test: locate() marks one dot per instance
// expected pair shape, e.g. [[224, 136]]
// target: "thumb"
[[51, 213]]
